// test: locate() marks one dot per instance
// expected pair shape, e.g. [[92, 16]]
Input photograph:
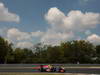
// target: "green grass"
[[13, 73], [31, 74]]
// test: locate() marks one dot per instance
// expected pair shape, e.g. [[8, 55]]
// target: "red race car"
[[48, 68]]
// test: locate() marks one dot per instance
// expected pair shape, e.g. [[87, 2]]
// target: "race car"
[[61, 69], [49, 68]]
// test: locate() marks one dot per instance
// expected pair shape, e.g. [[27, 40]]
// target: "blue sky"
[[33, 19]]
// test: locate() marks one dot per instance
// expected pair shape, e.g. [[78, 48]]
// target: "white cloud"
[[94, 39], [55, 38], [54, 16], [75, 19], [22, 39], [63, 27], [15, 34], [37, 34], [24, 44], [18, 35], [6, 16]]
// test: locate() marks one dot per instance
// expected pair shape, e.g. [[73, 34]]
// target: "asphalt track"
[[28, 68]]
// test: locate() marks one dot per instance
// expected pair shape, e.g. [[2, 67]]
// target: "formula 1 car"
[[49, 68]]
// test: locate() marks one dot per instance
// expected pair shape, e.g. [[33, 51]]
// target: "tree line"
[[70, 52]]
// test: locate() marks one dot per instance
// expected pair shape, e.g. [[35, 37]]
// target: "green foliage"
[[98, 54], [22, 55], [5, 49], [54, 54], [77, 51]]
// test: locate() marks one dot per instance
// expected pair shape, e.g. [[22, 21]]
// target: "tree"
[[98, 54], [10, 55], [28, 56], [78, 51], [40, 53], [54, 54], [23, 55], [5, 50]]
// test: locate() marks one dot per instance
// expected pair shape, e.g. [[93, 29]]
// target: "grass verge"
[[13, 73], [2, 73]]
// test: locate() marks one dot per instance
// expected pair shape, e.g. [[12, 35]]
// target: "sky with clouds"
[[27, 22]]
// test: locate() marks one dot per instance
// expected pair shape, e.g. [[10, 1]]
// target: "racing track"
[[28, 68]]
